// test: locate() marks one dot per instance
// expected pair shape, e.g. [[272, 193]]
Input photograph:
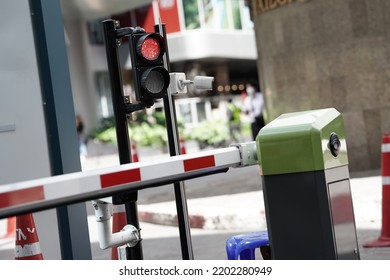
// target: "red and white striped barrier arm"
[[51, 192]]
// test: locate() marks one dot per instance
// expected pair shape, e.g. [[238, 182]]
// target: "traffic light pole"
[[111, 35], [174, 148]]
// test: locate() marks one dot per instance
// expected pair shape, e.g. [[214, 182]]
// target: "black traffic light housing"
[[151, 79]]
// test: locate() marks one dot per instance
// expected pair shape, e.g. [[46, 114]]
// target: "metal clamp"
[[248, 153]]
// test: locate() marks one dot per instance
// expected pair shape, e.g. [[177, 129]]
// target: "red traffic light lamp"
[[150, 47], [151, 79]]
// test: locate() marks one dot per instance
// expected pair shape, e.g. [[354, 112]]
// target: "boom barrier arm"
[[51, 192]]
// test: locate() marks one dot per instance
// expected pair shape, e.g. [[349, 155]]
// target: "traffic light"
[[151, 79]]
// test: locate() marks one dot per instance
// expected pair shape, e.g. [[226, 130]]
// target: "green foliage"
[[104, 124], [148, 135], [210, 133], [246, 129], [191, 14], [150, 131], [146, 130]]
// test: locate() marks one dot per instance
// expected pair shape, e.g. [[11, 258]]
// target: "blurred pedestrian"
[[253, 107], [82, 139], [234, 121]]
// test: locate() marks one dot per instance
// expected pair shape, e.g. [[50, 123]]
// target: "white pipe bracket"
[[129, 235]]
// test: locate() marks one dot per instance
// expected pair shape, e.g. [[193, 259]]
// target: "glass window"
[[246, 20], [215, 14], [95, 32], [236, 14], [185, 112], [201, 110], [191, 14], [105, 101]]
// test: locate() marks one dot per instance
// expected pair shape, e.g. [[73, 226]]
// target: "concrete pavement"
[[246, 210]]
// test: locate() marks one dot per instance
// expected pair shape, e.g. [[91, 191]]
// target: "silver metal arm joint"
[[248, 153]]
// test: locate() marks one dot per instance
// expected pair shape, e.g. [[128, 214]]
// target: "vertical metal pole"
[[60, 124], [122, 133], [174, 148]]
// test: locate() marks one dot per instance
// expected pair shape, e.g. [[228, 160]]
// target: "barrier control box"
[[306, 186]]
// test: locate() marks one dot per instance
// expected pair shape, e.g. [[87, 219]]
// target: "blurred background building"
[[307, 54], [211, 37]]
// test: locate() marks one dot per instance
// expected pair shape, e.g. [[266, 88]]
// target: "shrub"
[[210, 133], [146, 130]]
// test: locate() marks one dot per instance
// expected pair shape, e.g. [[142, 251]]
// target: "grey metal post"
[[60, 120]]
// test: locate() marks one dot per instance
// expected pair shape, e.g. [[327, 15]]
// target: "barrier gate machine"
[[306, 186]]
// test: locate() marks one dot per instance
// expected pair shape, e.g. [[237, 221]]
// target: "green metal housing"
[[299, 142]]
